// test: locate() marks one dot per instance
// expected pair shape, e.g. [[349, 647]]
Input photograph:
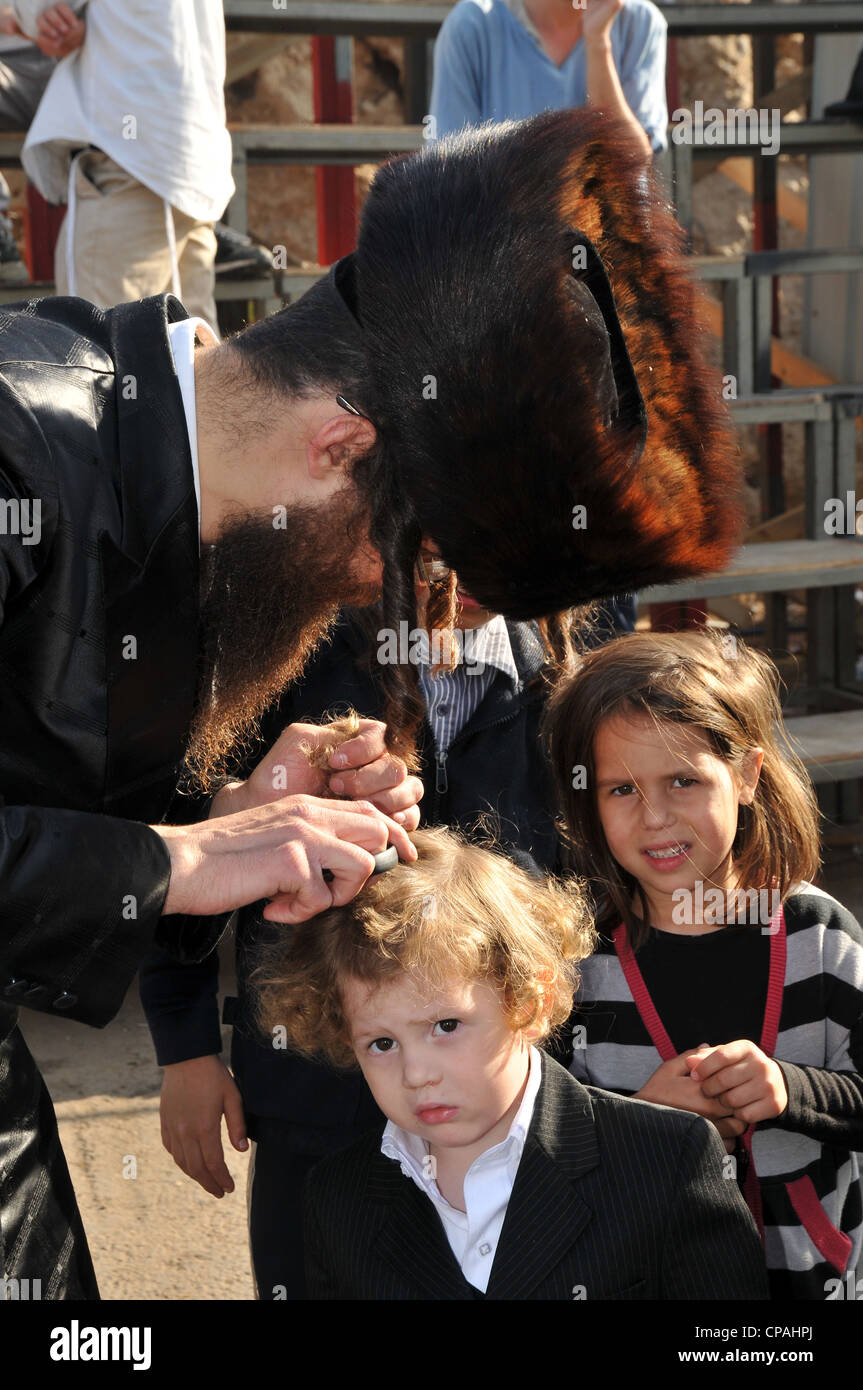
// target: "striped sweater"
[[806, 1160]]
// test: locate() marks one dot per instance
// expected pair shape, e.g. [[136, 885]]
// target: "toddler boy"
[[498, 1174]]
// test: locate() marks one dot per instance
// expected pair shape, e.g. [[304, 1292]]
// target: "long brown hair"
[[715, 684]]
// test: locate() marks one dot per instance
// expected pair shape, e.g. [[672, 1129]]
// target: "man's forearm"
[[278, 851], [81, 900], [605, 92]]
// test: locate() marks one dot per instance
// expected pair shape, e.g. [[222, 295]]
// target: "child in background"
[[498, 1174], [698, 839]]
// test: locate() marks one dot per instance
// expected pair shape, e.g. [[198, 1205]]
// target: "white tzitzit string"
[[70, 226], [172, 248]]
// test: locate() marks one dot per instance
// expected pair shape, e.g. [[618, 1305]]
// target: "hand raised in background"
[[60, 31]]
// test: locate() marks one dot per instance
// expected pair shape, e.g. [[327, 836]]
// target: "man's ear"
[[749, 772], [336, 443]]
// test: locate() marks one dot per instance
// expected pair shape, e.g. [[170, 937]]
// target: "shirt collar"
[[488, 645], [413, 1152], [181, 336]]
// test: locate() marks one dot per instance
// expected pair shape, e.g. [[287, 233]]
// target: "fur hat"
[[512, 384]]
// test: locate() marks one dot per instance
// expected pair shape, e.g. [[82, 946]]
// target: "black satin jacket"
[[98, 645]]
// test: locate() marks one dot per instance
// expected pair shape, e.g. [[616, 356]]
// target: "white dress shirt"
[[181, 336], [147, 88], [473, 1234]]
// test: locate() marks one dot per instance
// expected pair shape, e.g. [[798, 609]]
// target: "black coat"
[[613, 1199], [98, 643], [494, 764], [98, 658]]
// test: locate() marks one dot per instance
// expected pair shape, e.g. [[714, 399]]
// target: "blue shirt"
[[452, 698], [489, 66]]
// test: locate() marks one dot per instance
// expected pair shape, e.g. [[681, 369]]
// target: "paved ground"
[[158, 1235]]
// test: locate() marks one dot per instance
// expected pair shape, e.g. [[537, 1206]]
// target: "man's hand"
[[60, 31], [361, 769], [195, 1096], [742, 1078], [278, 851]]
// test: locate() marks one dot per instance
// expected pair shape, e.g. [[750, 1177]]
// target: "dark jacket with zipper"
[[493, 765]]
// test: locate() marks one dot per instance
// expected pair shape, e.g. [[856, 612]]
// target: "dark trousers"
[[43, 1248], [284, 1155]]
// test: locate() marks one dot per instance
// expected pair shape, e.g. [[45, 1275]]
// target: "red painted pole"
[[43, 224], [335, 188]]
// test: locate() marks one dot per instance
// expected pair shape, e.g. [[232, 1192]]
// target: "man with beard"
[[100, 624], [468, 379]]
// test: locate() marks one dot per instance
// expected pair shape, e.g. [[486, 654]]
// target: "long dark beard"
[[269, 598]]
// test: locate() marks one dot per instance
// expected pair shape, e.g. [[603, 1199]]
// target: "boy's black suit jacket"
[[613, 1199]]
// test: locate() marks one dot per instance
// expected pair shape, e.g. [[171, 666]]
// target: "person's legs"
[[42, 1239], [196, 255], [24, 75], [119, 236], [284, 1156]]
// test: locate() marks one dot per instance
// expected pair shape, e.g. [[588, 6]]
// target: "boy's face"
[[448, 1067]]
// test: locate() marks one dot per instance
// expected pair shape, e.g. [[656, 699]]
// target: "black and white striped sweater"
[[806, 1160]]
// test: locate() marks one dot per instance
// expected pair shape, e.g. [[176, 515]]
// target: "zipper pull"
[[441, 783]]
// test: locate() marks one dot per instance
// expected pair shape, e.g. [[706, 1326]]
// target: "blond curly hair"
[[461, 911]]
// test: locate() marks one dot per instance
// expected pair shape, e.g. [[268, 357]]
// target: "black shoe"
[[12, 269], [851, 109], [238, 257]]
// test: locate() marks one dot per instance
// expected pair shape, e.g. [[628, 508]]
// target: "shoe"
[[852, 107], [12, 269], [238, 257]]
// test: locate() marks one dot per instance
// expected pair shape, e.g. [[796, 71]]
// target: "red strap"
[[834, 1245], [653, 1023], [639, 991], [769, 1033], [775, 981]]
